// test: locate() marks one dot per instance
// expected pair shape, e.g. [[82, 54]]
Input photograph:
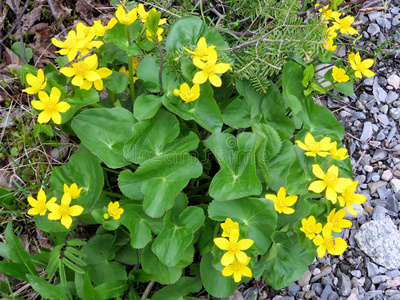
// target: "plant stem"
[[148, 289], [130, 66], [115, 195], [161, 65]]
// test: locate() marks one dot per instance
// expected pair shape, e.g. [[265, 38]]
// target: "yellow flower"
[[126, 18], [209, 70], [75, 42], [50, 106], [327, 242], [188, 94], [126, 72], [39, 206], [202, 51], [362, 67], [151, 38], [338, 154], [339, 74], [228, 227], [331, 14], [349, 196], [281, 202], [85, 73], [73, 190], [64, 211], [328, 44], [238, 270], [310, 227], [351, 57], [344, 25], [337, 221], [37, 83], [114, 210], [234, 247], [143, 15], [100, 30], [330, 182], [314, 148], [89, 35]]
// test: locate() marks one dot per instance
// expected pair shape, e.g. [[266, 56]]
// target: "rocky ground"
[[369, 269]]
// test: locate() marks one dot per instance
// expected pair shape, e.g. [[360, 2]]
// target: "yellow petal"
[[200, 77], [198, 63], [288, 210], [32, 201], [38, 105], [319, 240], [31, 79], [66, 221], [270, 197], [202, 43], [184, 88], [237, 276], [245, 244], [333, 170], [56, 117], [57, 43], [290, 200], [62, 106], [227, 271], [234, 236], [246, 271], [55, 94], [120, 13], [302, 146], [331, 194], [33, 211], [43, 117], [227, 258], [68, 71], [30, 90], [222, 68], [98, 85], [368, 73], [321, 251], [66, 199], [92, 76], [77, 80], [54, 215], [222, 243], [104, 72], [241, 257], [215, 80], [340, 246], [75, 210], [309, 139], [317, 186]]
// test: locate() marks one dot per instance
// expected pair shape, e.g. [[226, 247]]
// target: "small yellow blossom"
[[209, 70], [362, 67], [338, 154], [114, 210], [327, 242], [234, 248], [202, 51], [281, 202], [73, 190], [143, 15], [331, 14], [349, 196], [89, 36], [188, 94], [126, 72], [310, 227], [344, 25], [330, 181], [100, 30], [339, 74], [151, 38], [238, 270], [126, 18], [75, 42], [64, 211], [39, 206], [337, 221], [228, 226], [351, 57], [37, 83], [50, 106], [314, 148], [328, 44]]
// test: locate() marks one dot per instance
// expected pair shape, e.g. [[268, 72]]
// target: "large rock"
[[380, 240]]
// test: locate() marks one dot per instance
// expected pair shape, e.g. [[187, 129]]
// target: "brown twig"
[[54, 13], [20, 13], [87, 6]]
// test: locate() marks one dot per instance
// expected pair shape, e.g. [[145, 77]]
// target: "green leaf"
[[71, 266], [214, 282], [110, 53], [186, 31], [292, 85], [7, 199], [80, 99], [112, 289], [89, 293], [54, 261], [213, 37], [157, 137], [204, 110], [275, 113], [16, 48], [271, 143], [146, 106], [289, 262], [159, 181], [179, 290], [237, 177], [25, 70], [118, 35], [117, 82], [147, 70], [139, 225], [318, 120], [96, 129], [100, 251], [45, 289], [13, 269], [308, 75], [177, 234], [278, 167], [152, 21], [17, 252], [300, 174], [160, 272], [68, 254], [255, 216], [345, 87]]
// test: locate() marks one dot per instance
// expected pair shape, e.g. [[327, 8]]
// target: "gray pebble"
[[395, 184], [367, 131], [369, 81], [394, 81], [395, 113], [379, 154], [305, 278], [368, 168], [384, 108], [374, 15], [317, 288], [379, 279], [383, 192], [379, 213], [344, 285], [327, 291], [384, 23], [383, 119], [323, 273], [392, 204], [373, 269], [373, 29], [391, 96], [294, 289], [356, 273], [393, 274]]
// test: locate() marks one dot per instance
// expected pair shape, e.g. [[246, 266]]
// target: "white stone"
[[394, 81], [395, 184]]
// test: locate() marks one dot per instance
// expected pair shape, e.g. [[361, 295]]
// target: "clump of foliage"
[[189, 176]]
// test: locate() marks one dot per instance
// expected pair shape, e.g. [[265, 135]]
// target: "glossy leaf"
[[89, 293], [146, 106], [179, 290], [80, 99], [118, 35], [117, 82], [45, 289], [237, 177], [96, 129], [112, 289], [292, 85]]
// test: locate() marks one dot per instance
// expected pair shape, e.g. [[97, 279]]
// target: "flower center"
[[330, 243], [50, 107], [281, 202], [345, 24], [330, 178], [113, 211], [236, 266], [310, 228], [200, 52], [64, 210], [188, 95], [41, 206], [314, 147], [37, 83], [233, 247], [69, 44], [81, 67], [209, 68]]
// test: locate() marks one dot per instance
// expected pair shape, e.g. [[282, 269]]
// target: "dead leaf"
[[5, 177], [3, 17], [236, 296], [11, 58], [14, 5], [43, 240], [31, 17]]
